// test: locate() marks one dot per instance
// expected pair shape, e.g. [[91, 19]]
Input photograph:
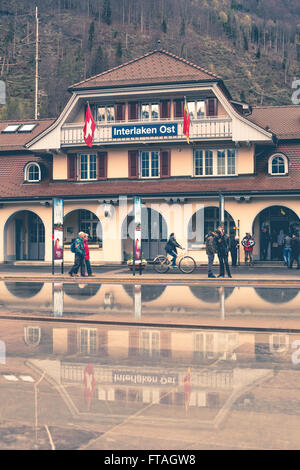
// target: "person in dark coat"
[[79, 256], [265, 242], [233, 247], [171, 249], [222, 250], [211, 250], [295, 253]]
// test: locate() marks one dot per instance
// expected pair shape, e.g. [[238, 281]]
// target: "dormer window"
[[32, 172], [278, 164]]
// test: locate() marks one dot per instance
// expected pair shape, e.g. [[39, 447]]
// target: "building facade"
[[248, 156]]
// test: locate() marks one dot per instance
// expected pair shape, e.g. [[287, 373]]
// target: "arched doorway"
[[204, 221], [278, 220], [24, 237], [154, 234], [149, 293]]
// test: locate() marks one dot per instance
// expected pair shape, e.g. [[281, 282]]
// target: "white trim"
[[285, 161], [26, 172]]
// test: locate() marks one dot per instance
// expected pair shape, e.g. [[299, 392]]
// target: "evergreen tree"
[[106, 12], [164, 26], [91, 35], [182, 28]]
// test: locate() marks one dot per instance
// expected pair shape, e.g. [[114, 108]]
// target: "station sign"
[[145, 130]]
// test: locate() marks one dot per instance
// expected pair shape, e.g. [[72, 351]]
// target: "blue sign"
[[144, 130]]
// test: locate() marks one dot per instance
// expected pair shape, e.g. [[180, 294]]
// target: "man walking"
[[295, 252], [233, 247], [222, 250], [79, 256], [211, 250]]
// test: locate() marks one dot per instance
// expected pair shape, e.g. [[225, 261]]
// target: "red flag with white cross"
[[89, 127]]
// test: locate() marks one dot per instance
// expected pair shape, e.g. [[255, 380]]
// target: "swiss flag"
[[89, 127]]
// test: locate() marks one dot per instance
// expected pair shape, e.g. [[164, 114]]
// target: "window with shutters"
[[149, 164]]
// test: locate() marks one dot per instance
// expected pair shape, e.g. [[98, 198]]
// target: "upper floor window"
[[214, 162], [149, 164], [150, 111], [105, 113], [88, 166], [196, 109], [32, 172], [278, 164]]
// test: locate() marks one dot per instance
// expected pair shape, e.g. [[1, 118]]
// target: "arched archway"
[[24, 290], [278, 220], [81, 291], [82, 220], [276, 296], [24, 237], [205, 220], [154, 234], [149, 293], [210, 294]]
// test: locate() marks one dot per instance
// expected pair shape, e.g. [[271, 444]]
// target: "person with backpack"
[[248, 243], [211, 250], [77, 247]]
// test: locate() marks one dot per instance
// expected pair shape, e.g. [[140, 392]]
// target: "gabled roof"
[[17, 140], [158, 66], [283, 121]]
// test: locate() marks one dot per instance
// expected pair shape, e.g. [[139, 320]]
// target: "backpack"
[[72, 247]]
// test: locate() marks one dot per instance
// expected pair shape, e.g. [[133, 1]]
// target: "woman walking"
[[87, 255]]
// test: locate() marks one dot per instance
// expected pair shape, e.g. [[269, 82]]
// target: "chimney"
[[158, 45]]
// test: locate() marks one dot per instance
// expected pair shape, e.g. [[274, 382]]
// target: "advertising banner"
[[137, 229], [58, 228]]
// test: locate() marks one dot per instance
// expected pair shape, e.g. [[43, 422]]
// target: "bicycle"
[[186, 264]]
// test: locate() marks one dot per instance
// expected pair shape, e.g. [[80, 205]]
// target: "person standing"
[[280, 241], [248, 243], [265, 242], [79, 256], [87, 255], [171, 249], [287, 248], [295, 252], [222, 250], [211, 250], [233, 247]]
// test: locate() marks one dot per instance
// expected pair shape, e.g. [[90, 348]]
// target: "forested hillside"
[[253, 44]]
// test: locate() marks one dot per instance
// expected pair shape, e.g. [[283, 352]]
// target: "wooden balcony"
[[142, 131]]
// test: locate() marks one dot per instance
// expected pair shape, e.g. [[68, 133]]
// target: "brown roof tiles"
[[283, 121], [155, 67]]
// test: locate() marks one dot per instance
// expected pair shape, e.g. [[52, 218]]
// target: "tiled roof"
[[155, 67], [17, 140], [283, 121], [12, 183]]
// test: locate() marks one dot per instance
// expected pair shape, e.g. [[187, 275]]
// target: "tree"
[[182, 28], [164, 26], [91, 36], [106, 12]]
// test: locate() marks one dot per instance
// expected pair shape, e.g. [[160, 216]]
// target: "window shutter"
[[133, 164], [120, 112], [132, 111], [102, 165], [165, 160], [165, 109], [211, 107], [72, 166], [178, 108]]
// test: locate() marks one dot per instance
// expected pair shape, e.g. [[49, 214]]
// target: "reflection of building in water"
[[197, 305]]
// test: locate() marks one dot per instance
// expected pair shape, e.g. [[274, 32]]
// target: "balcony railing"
[[206, 129]]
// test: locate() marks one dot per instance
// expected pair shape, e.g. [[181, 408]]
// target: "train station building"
[[248, 156]]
